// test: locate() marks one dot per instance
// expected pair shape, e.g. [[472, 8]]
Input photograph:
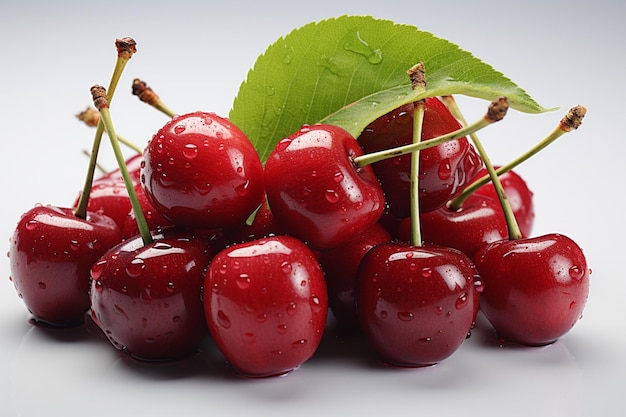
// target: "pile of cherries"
[[196, 236]]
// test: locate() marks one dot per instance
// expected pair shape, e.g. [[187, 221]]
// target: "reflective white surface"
[[195, 56]]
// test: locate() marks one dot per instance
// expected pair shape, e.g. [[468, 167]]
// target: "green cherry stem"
[[511, 222], [99, 167], [147, 95], [126, 47], [570, 122], [102, 104], [496, 112], [418, 80]]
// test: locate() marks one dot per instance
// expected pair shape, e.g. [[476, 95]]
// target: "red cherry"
[[315, 191], [50, 254], [266, 305], [147, 299], [535, 289], [444, 170], [416, 304], [200, 170], [340, 267], [479, 221]]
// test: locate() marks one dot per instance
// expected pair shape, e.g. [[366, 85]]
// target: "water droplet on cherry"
[[405, 316], [96, 269], [286, 267], [445, 169], [243, 189], [190, 151], [243, 281], [223, 319], [461, 301], [281, 329], [178, 129], [292, 308], [331, 196], [576, 272], [299, 343], [135, 267]]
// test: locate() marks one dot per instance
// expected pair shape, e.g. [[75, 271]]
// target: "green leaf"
[[350, 70]]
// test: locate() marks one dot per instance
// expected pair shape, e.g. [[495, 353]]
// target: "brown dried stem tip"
[[417, 75], [126, 47], [144, 93], [497, 109], [573, 119], [90, 116], [99, 95]]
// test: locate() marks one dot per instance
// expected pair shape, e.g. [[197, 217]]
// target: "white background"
[[195, 55]]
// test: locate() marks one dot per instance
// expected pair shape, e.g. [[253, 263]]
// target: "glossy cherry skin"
[[316, 192], [478, 222], [416, 304], [147, 299], [444, 170], [200, 170], [518, 194], [50, 255], [535, 289], [340, 267], [266, 305]]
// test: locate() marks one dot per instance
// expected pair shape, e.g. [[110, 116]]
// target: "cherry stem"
[[147, 95], [571, 121], [126, 47], [99, 167], [102, 104], [418, 80], [91, 117], [511, 222], [497, 110]]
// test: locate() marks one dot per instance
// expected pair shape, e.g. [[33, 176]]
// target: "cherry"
[[416, 304], [316, 192], [50, 254], [202, 171], [340, 267], [535, 289], [147, 299], [266, 305], [444, 169]]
